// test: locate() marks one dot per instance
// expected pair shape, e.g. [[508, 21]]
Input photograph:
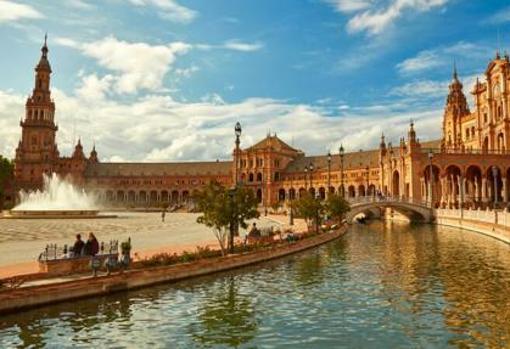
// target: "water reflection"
[[380, 286], [227, 317]]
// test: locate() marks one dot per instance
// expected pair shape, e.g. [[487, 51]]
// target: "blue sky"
[[166, 80]]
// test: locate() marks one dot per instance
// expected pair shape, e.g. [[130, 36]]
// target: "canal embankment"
[[59, 290], [492, 223]]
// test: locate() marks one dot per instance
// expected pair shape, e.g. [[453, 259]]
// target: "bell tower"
[[456, 108], [37, 151]]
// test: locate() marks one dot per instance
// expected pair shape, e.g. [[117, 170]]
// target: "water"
[[57, 194], [380, 286]]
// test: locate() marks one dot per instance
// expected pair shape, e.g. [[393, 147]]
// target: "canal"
[[382, 285]]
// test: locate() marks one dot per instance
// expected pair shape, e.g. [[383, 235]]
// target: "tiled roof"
[[351, 160], [159, 169], [272, 142]]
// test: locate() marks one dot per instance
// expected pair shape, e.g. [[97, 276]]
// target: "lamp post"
[[431, 179], [234, 229], [306, 177], [329, 174], [310, 167], [341, 153], [291, 215], [367, 169], [495, 185]]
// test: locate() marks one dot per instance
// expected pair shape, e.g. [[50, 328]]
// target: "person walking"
[[163, 214]]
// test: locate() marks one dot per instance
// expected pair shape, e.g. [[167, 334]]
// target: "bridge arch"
[[415, 212]]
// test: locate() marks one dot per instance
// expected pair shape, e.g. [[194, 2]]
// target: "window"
[[467, 133], [485, 117]]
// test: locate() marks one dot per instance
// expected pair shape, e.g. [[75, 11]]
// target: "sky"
[[166, 80]]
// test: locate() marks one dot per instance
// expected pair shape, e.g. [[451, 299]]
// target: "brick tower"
[[37, 151]]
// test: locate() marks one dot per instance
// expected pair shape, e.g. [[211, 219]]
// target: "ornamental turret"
[[456, 108], [93, 155], [37, 153], [78, 151]]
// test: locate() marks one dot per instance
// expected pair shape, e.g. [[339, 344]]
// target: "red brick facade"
[[470, 164]]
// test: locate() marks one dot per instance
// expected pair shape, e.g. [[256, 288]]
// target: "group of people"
[[88, 248]]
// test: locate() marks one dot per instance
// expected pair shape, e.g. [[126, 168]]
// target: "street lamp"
[[237, 130], [234, 230], [495, 185], [367, 169], [341, 153], [329, 173], [431, 178], [291, 194], [310, 167], [306, 177]]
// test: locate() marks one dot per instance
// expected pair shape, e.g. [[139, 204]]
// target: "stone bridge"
[[414, 210]]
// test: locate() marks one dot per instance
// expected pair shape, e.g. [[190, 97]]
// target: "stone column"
[[484, 189], [462, 188], [505, 193]]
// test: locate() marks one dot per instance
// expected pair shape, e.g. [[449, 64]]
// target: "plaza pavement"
[[21, 241]]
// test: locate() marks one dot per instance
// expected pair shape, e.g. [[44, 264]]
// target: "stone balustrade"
[[499, 217]]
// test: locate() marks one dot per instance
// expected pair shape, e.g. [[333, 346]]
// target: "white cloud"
[[79, 4], [169, 9], [158, 128], [426, 88], [347, 6], [423, 61], [500, 17], [373, 18], [136, 65], [186, 72], [237, 45], [12, 11], [234, 45], [444, 56], [93, 88]]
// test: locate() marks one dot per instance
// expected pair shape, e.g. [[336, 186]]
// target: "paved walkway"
[[179, 233]]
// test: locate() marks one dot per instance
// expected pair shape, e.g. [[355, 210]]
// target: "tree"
[[223, 210], [309, 208], [6, 174], [337, 207]]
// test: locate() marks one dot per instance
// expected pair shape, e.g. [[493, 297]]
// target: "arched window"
[[259, 177], [250, 177]]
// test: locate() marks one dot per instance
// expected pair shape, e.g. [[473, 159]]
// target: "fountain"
[[58, 199]]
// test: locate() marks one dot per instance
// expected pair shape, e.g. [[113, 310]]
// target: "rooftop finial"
[[44, 49], [455, 75]]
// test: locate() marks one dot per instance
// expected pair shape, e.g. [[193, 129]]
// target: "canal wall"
[[12, 300], [495, 224]]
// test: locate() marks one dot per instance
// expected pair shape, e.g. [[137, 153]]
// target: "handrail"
[[387, 199]]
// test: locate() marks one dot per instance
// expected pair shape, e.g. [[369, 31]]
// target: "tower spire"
[[455, 75]]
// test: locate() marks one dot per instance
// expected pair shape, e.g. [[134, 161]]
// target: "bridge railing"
[[390, 199]]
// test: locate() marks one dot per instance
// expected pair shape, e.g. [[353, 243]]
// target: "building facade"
[[468, 166]]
